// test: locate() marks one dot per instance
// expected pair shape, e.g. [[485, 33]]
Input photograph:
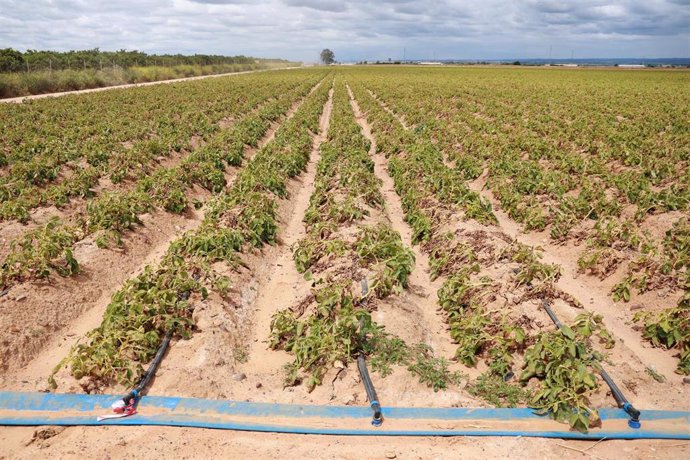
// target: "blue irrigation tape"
[[71, 409]]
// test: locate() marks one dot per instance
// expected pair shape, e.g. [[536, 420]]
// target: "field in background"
[[243, 213]]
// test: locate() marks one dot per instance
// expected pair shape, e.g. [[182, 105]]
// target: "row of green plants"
[[669, 264], [241, 216], [113, 212], [66, 159], [423, 161], [334, 324], [563, 364]]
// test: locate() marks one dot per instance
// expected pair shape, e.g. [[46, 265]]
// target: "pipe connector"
[[634, 414], [131, 398], [377, 419]]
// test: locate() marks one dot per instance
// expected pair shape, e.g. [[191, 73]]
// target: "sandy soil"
[[187, 443]]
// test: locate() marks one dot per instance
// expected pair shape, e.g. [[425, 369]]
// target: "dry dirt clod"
[[45, 432], [390, 455], [239, 376], [686, 380]]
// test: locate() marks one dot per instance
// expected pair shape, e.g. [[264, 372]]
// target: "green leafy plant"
[[565, 365], [495, 390]]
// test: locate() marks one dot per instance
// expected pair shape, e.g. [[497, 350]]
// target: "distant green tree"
[[11, 60], [327, 56]]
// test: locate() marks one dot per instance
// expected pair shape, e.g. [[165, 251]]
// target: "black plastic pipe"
[[622, 401], [377, 419], [618, 395], [133, 396], [371, 392], [552, 315]]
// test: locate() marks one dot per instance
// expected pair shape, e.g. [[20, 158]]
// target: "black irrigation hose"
[[552, 315], [364, 373], [621, 400], [133, 396]]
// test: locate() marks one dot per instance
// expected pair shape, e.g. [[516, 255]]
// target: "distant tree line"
[[12, 60]]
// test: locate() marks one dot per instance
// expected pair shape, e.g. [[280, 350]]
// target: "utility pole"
[[550, 50]]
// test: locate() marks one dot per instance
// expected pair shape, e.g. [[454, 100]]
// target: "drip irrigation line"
[[377, 418], [37, 409], [133, 397]]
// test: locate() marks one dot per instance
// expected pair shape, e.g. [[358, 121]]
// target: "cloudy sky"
[[355, 29]]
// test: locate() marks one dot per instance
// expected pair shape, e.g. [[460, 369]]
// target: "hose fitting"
[[377, 420], [634, 414]]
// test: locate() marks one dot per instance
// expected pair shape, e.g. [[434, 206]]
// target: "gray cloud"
[[355, 29], [322, 5], [220, 2]]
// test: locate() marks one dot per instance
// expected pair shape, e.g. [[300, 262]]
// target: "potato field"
[[280, 224]]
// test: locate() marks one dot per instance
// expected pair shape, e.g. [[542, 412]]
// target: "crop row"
[[349, 239], [558, 371], [49, 248], [241, 216]]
